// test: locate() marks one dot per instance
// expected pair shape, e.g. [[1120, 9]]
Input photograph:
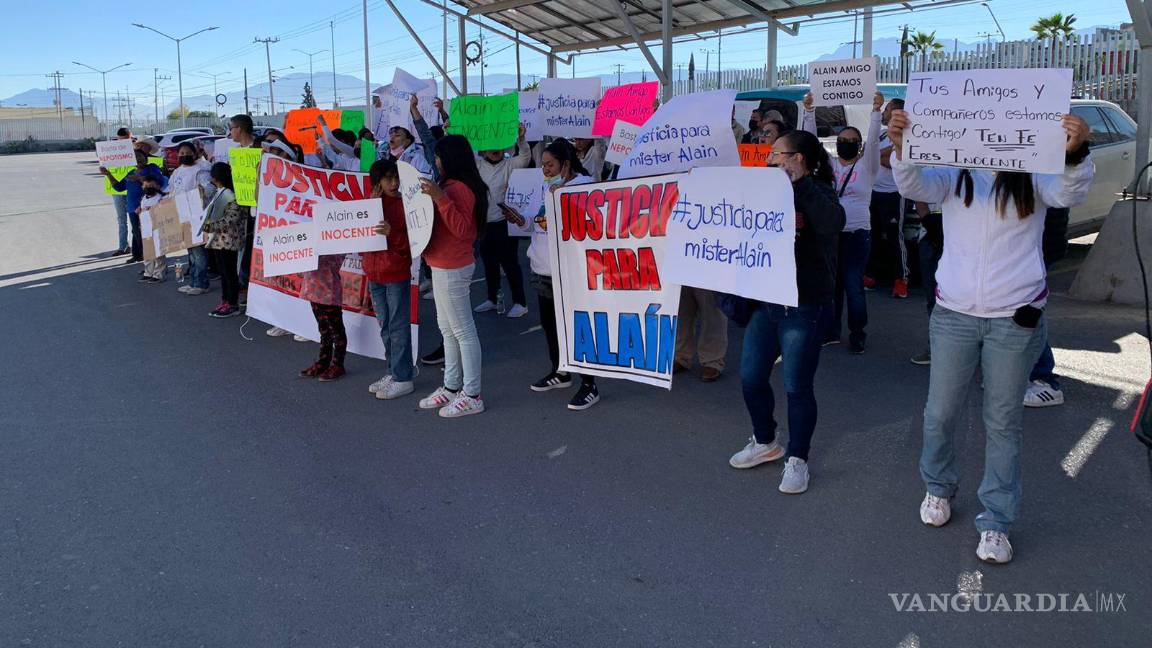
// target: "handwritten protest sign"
[[150, 237], [489, 123], [633, 103], [844, 82], [1003, 120], [168, 229], [116, 153], [348, 226], [526, 191], [418, 208], [616, 313], [286, 199], [289, 249], [754, 155], [691, 130], [744, 111], [568, 106], [120, 172], [734, 230], [220, 148], [395, 97], [245, 164], [190, 206], [530, 116], [303, 124], [623, 139]]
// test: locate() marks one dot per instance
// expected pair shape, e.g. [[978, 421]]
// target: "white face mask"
[[554, 181]]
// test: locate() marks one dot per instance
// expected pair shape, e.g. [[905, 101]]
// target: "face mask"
[[187, 160], [554, 181], [847, 150], [150, 191]]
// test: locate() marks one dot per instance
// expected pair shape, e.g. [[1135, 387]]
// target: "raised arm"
[[808, 115], [1070, 188]]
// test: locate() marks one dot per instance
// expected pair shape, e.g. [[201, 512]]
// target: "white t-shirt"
[[538, 255], [885, 183]]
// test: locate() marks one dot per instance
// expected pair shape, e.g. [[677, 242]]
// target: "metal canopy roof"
[[580, 25]]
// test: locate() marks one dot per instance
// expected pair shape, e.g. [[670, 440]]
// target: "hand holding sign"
[[418, 208]]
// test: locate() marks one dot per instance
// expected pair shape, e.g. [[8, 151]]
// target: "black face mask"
[[151, 191], [847, 150], [187, 160]]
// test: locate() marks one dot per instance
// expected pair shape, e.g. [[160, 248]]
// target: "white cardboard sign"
[[116, 153], [692, 130], [526, 191], [734, 230], [191, 210], [348, 226], [418, 208], [530, 116], [568, 106], [844, 82], [1003, 120], [289, 249], [623, 139]]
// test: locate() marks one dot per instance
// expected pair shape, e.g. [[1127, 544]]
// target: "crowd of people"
[[980, 246]]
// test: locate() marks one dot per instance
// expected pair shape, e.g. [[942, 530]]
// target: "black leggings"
[[498, 250], [229, 278], [548, 323], [333, 338]]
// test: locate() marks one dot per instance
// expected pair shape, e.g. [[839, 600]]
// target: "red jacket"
[[453, 230], [393, 265]]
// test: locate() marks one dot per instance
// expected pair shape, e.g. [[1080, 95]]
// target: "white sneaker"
[[184, 289], [1041, 394], [193, 292], [517, 311], [395, 389], [795, 479], [300, 338], [755, 454], [485, 307], [462, 406], [994, 548], [438, 398], [935, 511], [276, 331], [380, 384]]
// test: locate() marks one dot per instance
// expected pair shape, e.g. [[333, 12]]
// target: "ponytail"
[[1008, 185]]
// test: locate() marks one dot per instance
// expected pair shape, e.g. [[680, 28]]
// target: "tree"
[[202, 113], [179, 112], [924, 45], [1055, 28], [309, 101]]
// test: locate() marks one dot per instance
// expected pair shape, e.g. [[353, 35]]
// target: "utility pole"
[[268, 58], [619, 68], [128, 100], [332, 35], [369, 116], [56, 77], [156, 79], [444, 57], [82, 107], [518, 86], [246, 112]]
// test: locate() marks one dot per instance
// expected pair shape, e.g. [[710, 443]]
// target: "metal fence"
[[1104, 66]]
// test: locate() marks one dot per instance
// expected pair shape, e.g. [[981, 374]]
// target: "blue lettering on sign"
[[650, 347]]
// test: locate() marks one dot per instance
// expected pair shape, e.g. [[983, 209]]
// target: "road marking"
[[1078, 455], [39, 285], [533, 329], [557, 452]]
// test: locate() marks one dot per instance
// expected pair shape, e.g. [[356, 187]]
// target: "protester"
[[499, 251], [855, 170], [193, 173], [155, 269], [324, 289], [738, 130], [223, 230], [929, 247], [461, 201], [991, 294], [770, 131], [120, 203], [698, 305], [560, 162], [888, 258], [133, 185], [401, 146], [794, 335], [389, 282], [338, 147], [591, 156], [1043, 384], [241, 131]]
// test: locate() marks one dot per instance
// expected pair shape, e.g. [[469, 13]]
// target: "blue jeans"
[[793, 333], [851, 261], [452, 291], [121, 205], [1006, 353], [1045, 367], [393, 305], [198, 267]]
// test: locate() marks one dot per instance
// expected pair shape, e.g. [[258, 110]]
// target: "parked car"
[[1112, 138]]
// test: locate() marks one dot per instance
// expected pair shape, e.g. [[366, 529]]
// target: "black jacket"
[[821, 219]]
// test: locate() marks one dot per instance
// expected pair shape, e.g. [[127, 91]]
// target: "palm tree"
[[923, 44], [1055, 28]]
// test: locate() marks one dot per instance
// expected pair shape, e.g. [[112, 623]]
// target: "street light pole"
[[268, 58], [311, 81], [179, 67], [104, 83], [1002, 37]]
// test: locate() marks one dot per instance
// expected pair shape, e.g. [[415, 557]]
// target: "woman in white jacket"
[[856, 165], [991, 291], [498, 250]]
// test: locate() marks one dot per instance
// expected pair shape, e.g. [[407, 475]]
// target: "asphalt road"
[[165, 482]]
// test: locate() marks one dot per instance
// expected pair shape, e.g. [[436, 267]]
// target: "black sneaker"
[[922, 359], [585, 398], [830, 341], [434, 358], [856, 346], [551, 381], [144, 279], [132, 260]]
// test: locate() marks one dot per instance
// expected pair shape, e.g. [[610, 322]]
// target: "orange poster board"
[[303, 124], [754, 155]]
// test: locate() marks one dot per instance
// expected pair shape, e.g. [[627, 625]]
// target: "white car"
[[1112, 137]]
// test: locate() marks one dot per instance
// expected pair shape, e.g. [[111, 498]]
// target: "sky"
[[104, 40]]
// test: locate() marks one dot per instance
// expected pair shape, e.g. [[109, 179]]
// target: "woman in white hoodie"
[[990, 296], [497, 249]]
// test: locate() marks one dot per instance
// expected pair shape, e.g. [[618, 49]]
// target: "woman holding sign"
[[990, 297], [461, 202], [793, 335], [855, 169]]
